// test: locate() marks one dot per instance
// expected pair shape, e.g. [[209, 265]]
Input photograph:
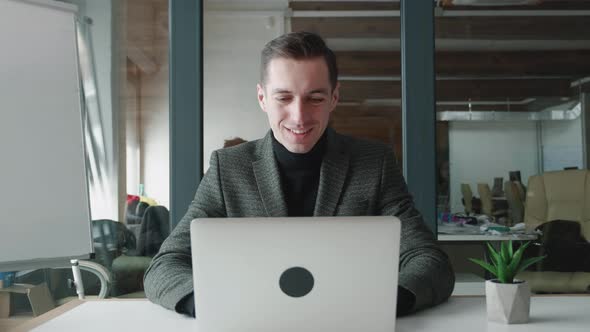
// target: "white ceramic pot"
[[508, 303]]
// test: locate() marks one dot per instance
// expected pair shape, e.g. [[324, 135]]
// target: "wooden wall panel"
[[446, 4], [459, 27], [457, 90], [570, 63]]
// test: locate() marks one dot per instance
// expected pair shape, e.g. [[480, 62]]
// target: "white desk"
[[468, 284], [548, 313], [484, 237], [470, 234], [109, 315]]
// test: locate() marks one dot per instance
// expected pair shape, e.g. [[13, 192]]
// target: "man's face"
[[298, 99]]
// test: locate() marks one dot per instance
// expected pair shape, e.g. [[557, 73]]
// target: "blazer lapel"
[[268, 179], [332, 175]]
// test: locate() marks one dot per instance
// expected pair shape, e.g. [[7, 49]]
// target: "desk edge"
[[54, 313]]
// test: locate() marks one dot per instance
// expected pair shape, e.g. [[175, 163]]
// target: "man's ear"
[[335, 97], [261, 98]]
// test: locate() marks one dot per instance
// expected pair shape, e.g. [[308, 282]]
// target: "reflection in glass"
[[509, 114]]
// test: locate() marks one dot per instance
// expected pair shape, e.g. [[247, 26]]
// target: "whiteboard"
[[44, 209]]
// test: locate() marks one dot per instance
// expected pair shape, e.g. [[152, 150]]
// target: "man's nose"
[[297, 111]]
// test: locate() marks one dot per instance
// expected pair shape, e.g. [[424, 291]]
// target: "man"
[[303, 168]]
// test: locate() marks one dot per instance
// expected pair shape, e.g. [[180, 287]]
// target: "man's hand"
[[187, 305], [405, 301]]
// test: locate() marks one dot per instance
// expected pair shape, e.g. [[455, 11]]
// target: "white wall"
[[132, 143], [562, 144], [146, 99], [232, 45], [480, 151], [155, 133]]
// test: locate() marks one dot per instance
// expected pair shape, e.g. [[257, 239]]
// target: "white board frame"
[[44, 200]]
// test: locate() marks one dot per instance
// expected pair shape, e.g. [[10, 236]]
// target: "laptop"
[[295, 274]]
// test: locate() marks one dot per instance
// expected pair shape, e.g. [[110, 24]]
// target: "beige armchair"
[[489, 206], [515, 202], [485, 194], [558, 195]]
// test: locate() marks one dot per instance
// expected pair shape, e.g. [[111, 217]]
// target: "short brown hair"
[[298, 45]]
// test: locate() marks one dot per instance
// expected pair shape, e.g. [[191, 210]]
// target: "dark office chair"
[[155, 228], [116, 248], [128, 269], [110, 240]]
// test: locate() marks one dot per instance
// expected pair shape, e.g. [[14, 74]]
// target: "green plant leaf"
[[528, 262], [504, 251], [494, 256], [502, 274], [506, 263], [510, 274], [517, 257], [485, 265]]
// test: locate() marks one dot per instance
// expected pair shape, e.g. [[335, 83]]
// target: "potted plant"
[[507, 299]]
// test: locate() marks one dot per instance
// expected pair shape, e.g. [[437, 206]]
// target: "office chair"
[[515, 203], [467, 197], [558, 196], [488, 205]]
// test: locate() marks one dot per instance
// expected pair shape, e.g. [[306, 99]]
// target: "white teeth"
[[299, 132]]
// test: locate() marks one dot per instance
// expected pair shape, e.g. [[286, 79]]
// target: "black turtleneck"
[[300, 176]]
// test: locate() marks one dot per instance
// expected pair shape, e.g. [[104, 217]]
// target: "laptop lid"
[[296, 274]]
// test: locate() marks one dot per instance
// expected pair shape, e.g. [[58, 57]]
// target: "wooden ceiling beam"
[[509, 89], [483, 108], [537, 5], [446, 5], [459, 27], [348, 27], [455, 90], [394, 112], [343, 5], [141, 58], [362, 90], [367, 111], [514, 27], [571, 63]]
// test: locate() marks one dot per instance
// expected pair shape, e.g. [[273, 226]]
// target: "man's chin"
[[298, 148]]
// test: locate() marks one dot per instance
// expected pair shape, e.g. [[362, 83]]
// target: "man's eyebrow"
[[321, 90], [278, 90], [324, 91]]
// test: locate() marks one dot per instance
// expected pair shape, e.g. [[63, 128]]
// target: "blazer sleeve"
[[425, 269], [169, 279]]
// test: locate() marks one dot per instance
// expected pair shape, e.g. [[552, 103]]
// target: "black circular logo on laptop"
[[296, 282]]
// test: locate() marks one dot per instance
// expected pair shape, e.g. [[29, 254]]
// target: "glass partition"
[[510, 134]]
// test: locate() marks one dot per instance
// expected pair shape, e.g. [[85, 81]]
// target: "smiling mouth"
[[299, 132]]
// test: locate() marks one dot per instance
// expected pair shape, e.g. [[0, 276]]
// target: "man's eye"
[[316, 100], [283, 99]]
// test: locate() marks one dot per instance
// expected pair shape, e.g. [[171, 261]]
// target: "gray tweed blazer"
[[357, 178]]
